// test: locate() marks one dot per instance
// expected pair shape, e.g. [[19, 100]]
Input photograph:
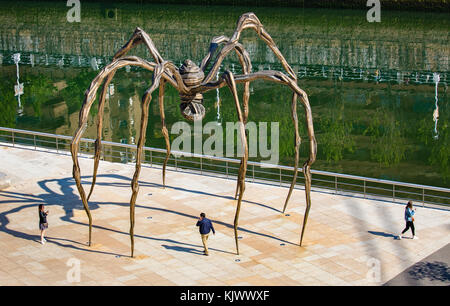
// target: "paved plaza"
[[349, 240]]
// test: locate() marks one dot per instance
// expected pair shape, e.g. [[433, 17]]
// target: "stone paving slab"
[[349, 241], [5, 181]]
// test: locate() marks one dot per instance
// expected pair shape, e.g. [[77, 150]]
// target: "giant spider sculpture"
[[191, 82]]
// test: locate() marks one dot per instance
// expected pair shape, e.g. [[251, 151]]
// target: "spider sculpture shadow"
[[191, 82]]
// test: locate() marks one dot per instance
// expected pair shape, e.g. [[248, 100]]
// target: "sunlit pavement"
[[349, 240]]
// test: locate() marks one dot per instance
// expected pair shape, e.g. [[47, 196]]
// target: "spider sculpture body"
[[192, 81]]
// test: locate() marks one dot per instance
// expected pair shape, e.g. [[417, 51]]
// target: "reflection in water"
[[219, 120], [436, 79], [371, 86], [18, 88]]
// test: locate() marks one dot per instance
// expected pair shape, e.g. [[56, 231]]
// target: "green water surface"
[[370, 85]]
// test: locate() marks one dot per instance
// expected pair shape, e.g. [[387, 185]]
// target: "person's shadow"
[[182, 249], [383, 234]]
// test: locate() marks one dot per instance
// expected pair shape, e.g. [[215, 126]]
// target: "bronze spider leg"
[[277, 76], [249, 20], [139, 36], [146, 99], [89, 99], [164, 128], [298, 93], [98, 141], [246, 64], [229, 78], [280, 77], [297, 142]]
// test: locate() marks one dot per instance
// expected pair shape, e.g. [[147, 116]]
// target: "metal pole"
[[423, 197], [364, 189], [253, 173], [201, 165], [56, 145], [34, 139], [335, 183], [393, 193], [280, 177], [226, 167], [13, 138]]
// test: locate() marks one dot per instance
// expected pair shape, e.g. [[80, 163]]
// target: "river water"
[[371, 86]]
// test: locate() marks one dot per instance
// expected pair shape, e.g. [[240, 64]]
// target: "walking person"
[[409, 218], [43, 225], [205, 226]]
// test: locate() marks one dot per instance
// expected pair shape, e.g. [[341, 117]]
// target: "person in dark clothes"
[[205, 226], [43, 225], [409, 213]]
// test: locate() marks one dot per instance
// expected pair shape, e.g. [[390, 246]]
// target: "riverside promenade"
[[349, 240]]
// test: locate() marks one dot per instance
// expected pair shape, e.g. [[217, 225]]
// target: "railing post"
[[57, 145], [151, 159], [226, 167], [13, 138], [201, 165], [335, 184], [423, 197], [280, 177], [364, 189], [34, 140], [253, 173], [393, 193], [176, 165]]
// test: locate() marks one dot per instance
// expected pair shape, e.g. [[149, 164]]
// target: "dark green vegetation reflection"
[[370, 85]]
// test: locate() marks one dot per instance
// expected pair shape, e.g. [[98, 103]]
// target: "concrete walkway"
[[349, 241]]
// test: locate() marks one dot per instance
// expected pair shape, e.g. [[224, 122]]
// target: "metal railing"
[[228, 168], [346, 73]]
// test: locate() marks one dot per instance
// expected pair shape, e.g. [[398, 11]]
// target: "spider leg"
[[248, 20], [281, 78], [140, 36], [146, 99], [89, 99], [229, 78], [311, 159], [246, 65], [98, 141], [244, 59], [176, 82], [164, 128], [297, 142]]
